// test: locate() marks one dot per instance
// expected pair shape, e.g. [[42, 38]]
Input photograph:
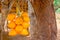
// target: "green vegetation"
[[57, 6]]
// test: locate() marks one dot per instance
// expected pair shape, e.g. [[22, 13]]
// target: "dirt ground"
[[58, 26]]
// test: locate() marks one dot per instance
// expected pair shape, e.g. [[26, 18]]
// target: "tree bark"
[[45, 15]]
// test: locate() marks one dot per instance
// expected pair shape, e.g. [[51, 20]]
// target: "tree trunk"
[[45, 15]]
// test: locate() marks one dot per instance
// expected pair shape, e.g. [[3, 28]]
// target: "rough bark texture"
[[46, 19], [45, 29]]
